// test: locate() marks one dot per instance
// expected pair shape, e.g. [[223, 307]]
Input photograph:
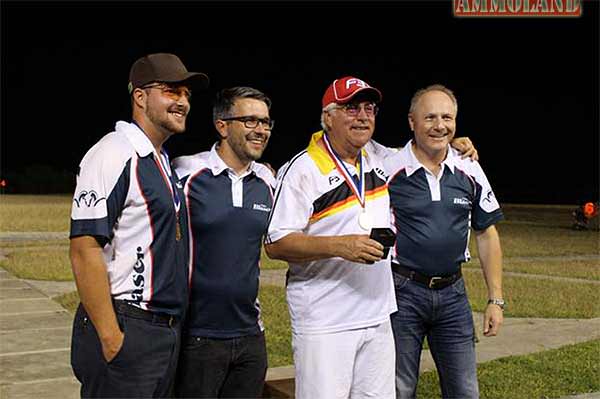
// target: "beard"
[[242, 148], [163, 122]]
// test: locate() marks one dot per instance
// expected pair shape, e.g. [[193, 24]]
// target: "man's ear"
[[139, 97], [411, 122], [221, 127]]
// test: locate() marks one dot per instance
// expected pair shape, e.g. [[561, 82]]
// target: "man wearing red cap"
[[128, 252], [339, 291]]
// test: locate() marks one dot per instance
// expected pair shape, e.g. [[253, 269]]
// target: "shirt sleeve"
[[292, 207], [486, 209], [102, 186]]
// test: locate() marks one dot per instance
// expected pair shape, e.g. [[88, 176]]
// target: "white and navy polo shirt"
[[433, 215], [228, 219], [312, 197], [125, 198]]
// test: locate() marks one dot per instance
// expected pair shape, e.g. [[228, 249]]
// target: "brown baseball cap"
[[163, 67]]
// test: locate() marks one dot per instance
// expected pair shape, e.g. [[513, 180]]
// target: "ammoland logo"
[[516, 8]]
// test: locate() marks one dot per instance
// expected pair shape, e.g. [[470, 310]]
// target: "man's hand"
[[492, 320], [268, 165], [359, 248], [464, 145], [112, 344]]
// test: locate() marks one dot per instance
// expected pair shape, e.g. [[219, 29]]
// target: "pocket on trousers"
[[195, 343], [120, 354], [459, 286], [399, 281]]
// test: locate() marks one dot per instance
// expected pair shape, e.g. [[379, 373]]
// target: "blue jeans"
[[222, 368], [444, 317]]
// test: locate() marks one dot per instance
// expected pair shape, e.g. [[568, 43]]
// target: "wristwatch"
[[497, 301]]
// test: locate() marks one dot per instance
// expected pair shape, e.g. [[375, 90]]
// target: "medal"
[[177, 230], [365, 221]]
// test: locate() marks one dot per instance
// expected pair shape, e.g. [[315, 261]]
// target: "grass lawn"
[[532, 297], [578, 268], [35, 212], [39, 263], [554, 373]]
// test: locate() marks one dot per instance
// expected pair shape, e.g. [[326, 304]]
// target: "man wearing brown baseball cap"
[[129, 250], [166, 68]]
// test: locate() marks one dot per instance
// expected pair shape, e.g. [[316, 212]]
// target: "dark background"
[[527, 87]]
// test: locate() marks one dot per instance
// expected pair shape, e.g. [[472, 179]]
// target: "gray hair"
[[328, 108]]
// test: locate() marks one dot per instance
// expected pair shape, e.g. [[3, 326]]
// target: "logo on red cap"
[[343, 90]]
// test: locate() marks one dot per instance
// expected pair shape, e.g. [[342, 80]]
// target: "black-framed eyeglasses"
[[353, 109], [252, 122], [170, 91]]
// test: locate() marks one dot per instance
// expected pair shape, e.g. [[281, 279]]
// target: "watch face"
[[499, 302]]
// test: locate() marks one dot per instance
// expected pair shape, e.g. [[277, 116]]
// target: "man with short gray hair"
[[436, 198]]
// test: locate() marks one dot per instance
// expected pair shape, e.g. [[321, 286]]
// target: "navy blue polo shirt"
[[127, 198], [228, 218], [433, 215]]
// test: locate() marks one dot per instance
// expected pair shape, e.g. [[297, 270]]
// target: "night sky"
[[527, 88]]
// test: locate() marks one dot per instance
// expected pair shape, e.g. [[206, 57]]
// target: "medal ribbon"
[[359, 192], [168, 177]]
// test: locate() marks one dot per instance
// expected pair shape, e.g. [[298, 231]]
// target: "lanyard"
[[165, 170], [357, 189]]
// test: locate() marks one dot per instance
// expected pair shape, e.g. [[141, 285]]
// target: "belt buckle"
[[433, 280]]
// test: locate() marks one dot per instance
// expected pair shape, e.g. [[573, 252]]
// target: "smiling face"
[[167, 106], [350, 128], [433, 122], [238, 141]]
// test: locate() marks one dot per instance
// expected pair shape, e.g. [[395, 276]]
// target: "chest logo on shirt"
[[87, 198], [461, 201], [261, 207], [333, 179]]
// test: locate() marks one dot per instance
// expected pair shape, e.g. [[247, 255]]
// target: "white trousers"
[[349, 364]]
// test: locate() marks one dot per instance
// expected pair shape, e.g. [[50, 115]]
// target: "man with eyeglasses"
[[128, 247], [229, 197], [339, 291]]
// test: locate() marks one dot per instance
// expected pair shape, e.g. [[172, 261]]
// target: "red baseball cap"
[[343, 90]]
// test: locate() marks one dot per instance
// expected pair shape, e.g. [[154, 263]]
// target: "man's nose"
[[438, 124]]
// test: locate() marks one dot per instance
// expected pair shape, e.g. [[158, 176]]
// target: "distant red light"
[[589, 210], [3, 183]]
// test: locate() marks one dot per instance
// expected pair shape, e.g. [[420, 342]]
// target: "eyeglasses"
[[251, 122], [173, 92], [353, 109]]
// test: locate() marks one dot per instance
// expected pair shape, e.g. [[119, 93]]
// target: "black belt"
[[435, 283], [125, 308]]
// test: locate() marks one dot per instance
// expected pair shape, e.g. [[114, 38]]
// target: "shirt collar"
[[217, 165], [414, 164], [142, 144], [320, 156]]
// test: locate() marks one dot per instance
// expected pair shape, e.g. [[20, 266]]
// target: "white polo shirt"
[[312, 197], [125, 199]]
